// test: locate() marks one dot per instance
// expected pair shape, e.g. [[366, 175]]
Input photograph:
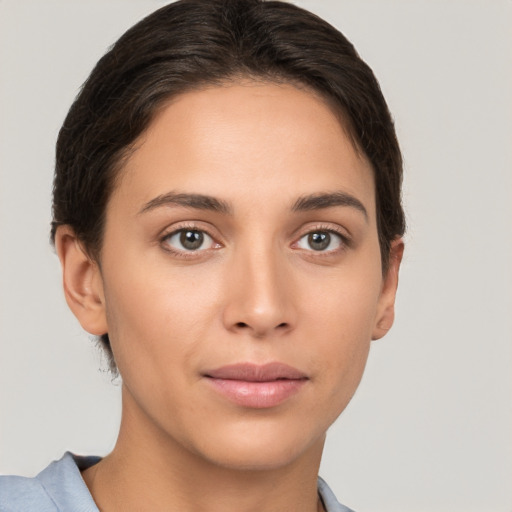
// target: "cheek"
[[343, 336], [157, 313], [345, 302], [340, 319]]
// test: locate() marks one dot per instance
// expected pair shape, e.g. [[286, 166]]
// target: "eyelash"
[[345, 241], [185, 254]]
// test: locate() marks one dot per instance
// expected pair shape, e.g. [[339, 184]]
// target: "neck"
[[148, 470]]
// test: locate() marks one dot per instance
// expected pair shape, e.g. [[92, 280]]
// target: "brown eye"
[[320, 241], [190, 240]]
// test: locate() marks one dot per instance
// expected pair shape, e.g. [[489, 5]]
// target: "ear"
[[386, 305], [82, 282]]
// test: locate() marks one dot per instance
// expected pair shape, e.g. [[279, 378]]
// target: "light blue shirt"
[[61, 488]]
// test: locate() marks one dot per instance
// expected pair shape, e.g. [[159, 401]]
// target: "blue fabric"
[[60, 488]]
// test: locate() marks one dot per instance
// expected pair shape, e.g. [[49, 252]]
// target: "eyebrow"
[[310, 202], [196, 201], [328, 200]]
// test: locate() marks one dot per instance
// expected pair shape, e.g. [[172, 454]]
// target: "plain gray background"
[[431, 424]]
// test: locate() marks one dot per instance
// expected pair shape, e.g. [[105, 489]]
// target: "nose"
[[259, 293]]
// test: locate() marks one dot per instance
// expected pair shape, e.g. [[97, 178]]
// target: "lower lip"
[[257, 395]]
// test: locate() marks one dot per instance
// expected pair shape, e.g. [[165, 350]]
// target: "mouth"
[[256, 386]]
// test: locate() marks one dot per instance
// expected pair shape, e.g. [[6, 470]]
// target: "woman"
[[227, 214]]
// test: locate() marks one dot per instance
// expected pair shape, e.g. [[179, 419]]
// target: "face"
[[241, 274]]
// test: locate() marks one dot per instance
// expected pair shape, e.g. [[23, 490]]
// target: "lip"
[[256, 386]]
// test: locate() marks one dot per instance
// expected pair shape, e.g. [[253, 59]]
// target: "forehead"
[[246, 137]]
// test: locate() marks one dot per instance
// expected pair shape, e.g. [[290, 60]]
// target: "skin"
[[255, 291]]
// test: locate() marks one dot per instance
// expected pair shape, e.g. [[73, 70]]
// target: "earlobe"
[[82, 282], [386, 306]]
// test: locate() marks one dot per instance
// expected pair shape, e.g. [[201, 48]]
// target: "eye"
[[190, 240], [320, 241]]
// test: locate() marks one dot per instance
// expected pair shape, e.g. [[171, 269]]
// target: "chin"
[[248, 460], [262, 449]]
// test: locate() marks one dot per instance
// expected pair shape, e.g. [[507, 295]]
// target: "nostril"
[[242, 326]]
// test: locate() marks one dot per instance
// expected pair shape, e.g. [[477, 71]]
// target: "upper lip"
[[251, 372]]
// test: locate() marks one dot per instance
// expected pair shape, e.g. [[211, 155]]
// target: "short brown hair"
[[193, 43]]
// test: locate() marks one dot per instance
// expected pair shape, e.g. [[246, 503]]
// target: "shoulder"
[[20, 493], [330, 502], [59, 487]]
